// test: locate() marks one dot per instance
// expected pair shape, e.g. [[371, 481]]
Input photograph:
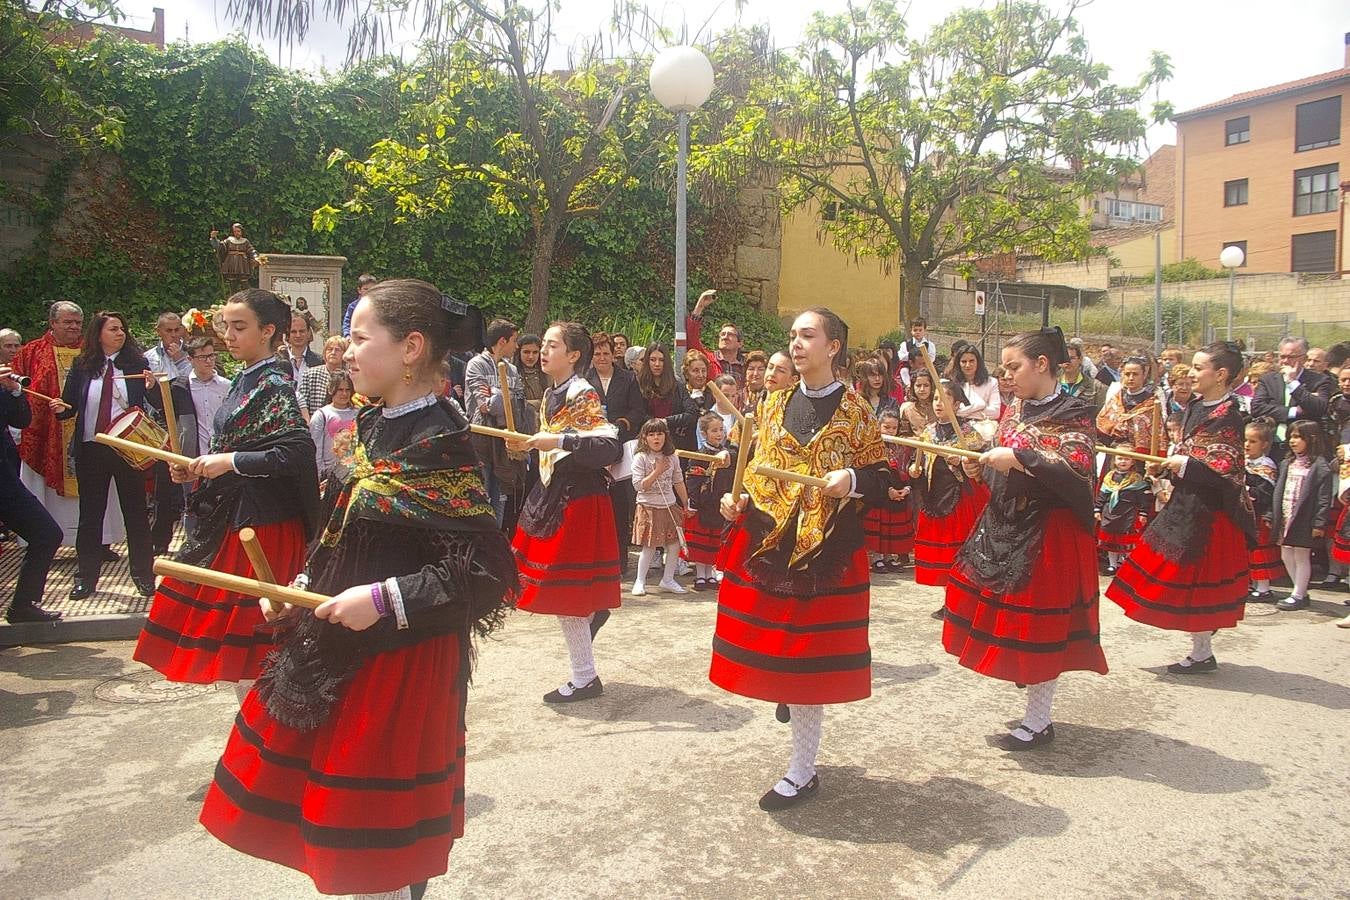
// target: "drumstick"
[[507, 409], [156, 375], [784, 475], [261, 567], [1133, 454], [170, 418], [40, 396], [937, 449], [489, 431], [176, 459], [701, 457], [722, 398], [249, 587], [742, 457]]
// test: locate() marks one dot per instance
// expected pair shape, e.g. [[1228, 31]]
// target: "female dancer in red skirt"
[[707, 482], [950, 498], [793, 607], [889, 526], [1263, 561], [1122, 505], [261, 473], [565, 544], [1189, 571], [1022, 599], [347, 761]]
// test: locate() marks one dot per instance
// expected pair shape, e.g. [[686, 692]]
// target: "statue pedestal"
[[318, 279]]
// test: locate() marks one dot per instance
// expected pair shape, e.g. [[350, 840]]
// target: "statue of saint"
[[236, 257]]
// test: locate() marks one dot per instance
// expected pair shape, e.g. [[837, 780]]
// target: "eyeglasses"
[[205, 356]]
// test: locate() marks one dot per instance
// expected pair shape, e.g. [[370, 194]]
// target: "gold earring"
[[407, 375]]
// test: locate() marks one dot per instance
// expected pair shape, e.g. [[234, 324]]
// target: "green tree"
[[981, 137]]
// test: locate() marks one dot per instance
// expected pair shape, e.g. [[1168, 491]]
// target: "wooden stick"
[[503, 434], [40, 396], [742, 457], [701, 457], [784, 475], [722, 398], [1157, 427], [938, 449], [1133, 454], [249, 587], [170, 417], [507, 409], [143, 449], [253, 549], [947, 403], [155, 375]]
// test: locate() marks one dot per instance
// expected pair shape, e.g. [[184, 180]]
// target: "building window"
[[1317, 124], [1235, 192], [830, 211], [1241, 245], [1314, 252], [1123, 212], [1238, 131], [1315, 189]]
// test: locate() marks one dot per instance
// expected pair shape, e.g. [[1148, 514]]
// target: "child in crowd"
[[1121, 510], [706, 483], [658, 480], [889, 527], [727, 385], [1301, 507], [1264, 559]]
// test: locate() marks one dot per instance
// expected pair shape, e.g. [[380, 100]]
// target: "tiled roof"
[[1265, 93], [1110, 237]]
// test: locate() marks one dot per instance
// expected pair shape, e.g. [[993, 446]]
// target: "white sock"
[[577, 632], [241, 689], [1262, 585], [672, 557], [702, 570], [404, 893], [1298, 560], [1115, 558], [1202, 647], [806, 726], [1039, 698], [645, 557]]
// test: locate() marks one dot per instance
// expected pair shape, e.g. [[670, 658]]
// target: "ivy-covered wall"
[[216, 134]]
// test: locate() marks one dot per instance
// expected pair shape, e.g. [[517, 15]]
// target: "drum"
[[135, 425]]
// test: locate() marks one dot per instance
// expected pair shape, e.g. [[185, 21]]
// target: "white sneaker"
[[639, 590], [1344, 623], [673, 587], [682, 568]]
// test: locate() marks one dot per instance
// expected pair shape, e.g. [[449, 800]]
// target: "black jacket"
[[1312, 397], [624, 404], [14, 413], [1313, 509], [129, 362]]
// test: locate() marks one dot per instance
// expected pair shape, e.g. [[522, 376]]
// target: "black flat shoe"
[[774, 801], [109, 555], [1291, 603], [598, 620], [592, 689], [30, 612], [879, 566], [144, 586], [700, 584], [1261, 597], [81, 590], [895, 567], [1195, 668], [783, 713], [1038, 739]]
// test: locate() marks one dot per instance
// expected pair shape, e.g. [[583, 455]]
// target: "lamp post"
[[681, 80], [1230, 259]]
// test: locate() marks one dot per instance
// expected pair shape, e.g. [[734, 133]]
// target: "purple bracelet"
[[377, 597]]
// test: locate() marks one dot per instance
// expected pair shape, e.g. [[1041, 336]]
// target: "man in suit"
[[503, 475], [627, 410], [1295, 392], [23, 514], [1108, 366], [296, 352]]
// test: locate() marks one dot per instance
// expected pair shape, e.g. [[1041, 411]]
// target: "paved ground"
[[1228, 785]]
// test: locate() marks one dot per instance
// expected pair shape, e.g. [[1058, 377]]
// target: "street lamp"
[[681, 80], [1230, 259]]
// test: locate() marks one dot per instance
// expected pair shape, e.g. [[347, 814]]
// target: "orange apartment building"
[[1262, 170]]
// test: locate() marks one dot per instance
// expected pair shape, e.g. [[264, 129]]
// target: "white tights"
[[403, 893], [806, 727], [645, 557], [1298, 560], [577, 633], [1039, 699]]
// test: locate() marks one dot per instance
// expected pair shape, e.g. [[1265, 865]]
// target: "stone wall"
[[1305, 298], [753, 265]]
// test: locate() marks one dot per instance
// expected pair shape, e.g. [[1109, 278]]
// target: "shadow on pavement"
[[929, 817], [887, 674], [1241, 679], [61, 662], [1085, 751], [19, 710], [664, 708]]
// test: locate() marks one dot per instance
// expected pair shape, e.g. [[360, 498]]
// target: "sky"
[[1217, 48]]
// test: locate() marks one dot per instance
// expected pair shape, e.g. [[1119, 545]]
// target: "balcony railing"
[[1125, 212]]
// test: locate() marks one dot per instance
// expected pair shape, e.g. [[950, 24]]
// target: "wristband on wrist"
[[377, 598]]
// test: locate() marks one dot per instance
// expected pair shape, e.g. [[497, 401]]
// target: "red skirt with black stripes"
[[701, 544], [1122, 541], [1264, 561], [575, 570], [1340, 539], [791, 649], [1041, 631], [1207, 593], [370, 801], [937, 539], [202, 634], [889, 528]]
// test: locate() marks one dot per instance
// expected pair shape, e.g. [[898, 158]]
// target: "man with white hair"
[[1294, 392], [170, 354], [10, 342], [46, 468]]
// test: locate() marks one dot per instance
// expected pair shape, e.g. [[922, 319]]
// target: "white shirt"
[[298, 365], [159, 360], [95, 396], [207, 396], [902, 355], [985, 400]]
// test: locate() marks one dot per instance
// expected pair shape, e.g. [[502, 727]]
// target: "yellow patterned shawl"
[[582, 414], [851, 439]]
